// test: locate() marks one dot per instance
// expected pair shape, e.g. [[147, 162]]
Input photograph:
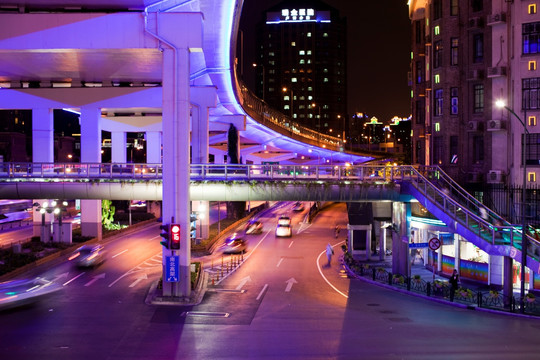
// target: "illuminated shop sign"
[[297, 15]]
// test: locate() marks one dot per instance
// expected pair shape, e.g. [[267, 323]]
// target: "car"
[[254, 227], [234, 244], [298, 206], [283, 230], [17, 293], [284, 220], [88, 256]]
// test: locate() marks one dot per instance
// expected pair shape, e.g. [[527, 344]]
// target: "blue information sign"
[[418, 245], [171, 268]]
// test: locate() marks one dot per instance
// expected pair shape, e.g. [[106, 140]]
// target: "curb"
[[195, 299]]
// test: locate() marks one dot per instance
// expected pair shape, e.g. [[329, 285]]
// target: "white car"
[[283, 230], [284, 220], [22, 292]]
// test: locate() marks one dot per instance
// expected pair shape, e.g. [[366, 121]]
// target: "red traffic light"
[[175, 236]]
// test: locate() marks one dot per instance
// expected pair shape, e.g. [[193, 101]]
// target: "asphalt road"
[[282, 302]]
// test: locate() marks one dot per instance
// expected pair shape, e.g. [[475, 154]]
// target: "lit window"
[[286, 107], [437, 78], [412, 55], [310, 98], [309, 88], [271, 53], [302, 61], [531, 176], [532, 8], [294, 80], [272, 62], [286, 98], [309, 61], [437, 126], [309, 34], [302, 52], [325, 35], [325, 70], [437, 30], [532, 120], [325, 80], [309, 52], [293, 43], [532, 65]]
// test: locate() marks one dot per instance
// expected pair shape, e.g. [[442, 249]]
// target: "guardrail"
[[490, 299], [224, 172]]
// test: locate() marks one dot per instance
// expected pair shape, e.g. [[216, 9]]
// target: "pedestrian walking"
[[454, 282], [329, 253]]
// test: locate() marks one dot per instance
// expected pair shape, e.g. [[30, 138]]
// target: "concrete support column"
[[203, 214], [457, 252], [496, 271], [176, 144], [508, 285], [202, 99], [42, 135], [119, 147], [401, 213], [153, 147], [219, 158], [91, 153], [42, 151], [382, 242]]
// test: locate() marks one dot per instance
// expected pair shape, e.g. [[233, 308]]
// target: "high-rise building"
[[302, 64], [466, 56]]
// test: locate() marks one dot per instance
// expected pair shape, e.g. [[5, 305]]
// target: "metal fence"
[[491, 299], [507, 201]]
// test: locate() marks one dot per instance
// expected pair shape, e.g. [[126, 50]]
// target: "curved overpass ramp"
[[107, 54]]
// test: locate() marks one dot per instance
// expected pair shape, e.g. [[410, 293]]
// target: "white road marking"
[[290, 283], [133, 270], [262, 291], [324, 277], [94, 279], [303, 226], [75, 278], [120, 253], [279, 262], [243, 282], [139, 279], [290, 244]]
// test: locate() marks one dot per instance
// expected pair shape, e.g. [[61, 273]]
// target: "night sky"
[[378, 53]]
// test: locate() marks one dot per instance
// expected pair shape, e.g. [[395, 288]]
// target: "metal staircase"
[[460, 211]]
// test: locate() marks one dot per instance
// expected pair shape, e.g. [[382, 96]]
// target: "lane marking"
[[139, 279], [324, 277], [243, 282], [279, 262], [75, 278], [120, 253], [94, 279], [133, 270], [262, 291], [291, 244], [290, 283]]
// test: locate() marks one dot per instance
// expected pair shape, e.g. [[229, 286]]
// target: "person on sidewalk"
[[454, 282], [329, 253]]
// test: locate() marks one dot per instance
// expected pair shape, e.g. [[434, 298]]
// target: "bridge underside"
[[207, 191]]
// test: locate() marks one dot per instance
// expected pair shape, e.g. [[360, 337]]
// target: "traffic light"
[[165, 235], [193, 225], [175, 237]]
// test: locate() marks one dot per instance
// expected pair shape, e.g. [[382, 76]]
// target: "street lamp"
[[524, 240], [49, 208], [292, 99], [263, 75]]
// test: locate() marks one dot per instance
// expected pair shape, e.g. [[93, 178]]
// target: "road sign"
[[418, 245], [172, 268], [434, 244]]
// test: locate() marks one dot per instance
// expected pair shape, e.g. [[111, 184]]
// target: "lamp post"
[[49, 208], [292, 101], [263, 75], [524, 240]]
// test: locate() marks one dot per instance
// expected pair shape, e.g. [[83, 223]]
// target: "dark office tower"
[[302, 64]]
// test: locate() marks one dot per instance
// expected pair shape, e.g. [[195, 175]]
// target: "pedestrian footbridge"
[[430, 186]]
